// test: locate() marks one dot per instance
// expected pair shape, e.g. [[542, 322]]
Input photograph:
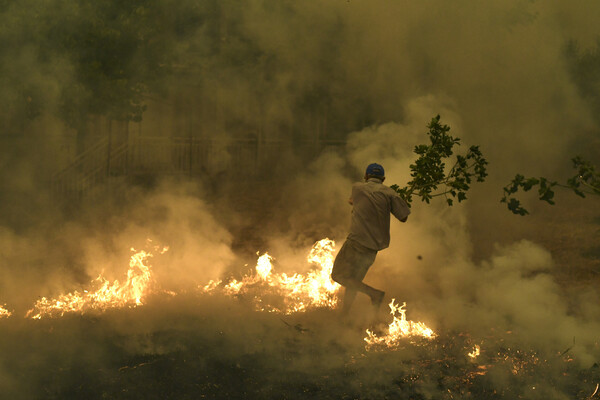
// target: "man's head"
[[375, 171]]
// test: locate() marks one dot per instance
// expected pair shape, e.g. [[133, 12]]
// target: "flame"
[[263, 266], [399, 329], [107, 295], [475, 353], [4, 313], [211, 285], [290, 294]]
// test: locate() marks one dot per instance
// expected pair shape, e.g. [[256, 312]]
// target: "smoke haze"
[[513, 77]]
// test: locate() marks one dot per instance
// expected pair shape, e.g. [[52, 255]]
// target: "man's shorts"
[[352, 262]]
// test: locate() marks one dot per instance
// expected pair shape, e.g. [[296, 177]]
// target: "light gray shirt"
[[372, 202]]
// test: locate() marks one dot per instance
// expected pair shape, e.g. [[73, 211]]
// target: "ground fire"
[[268, 290], [103, 294], [283, 293], [399, 329], [458, 357], [475, 352], [4, 313]]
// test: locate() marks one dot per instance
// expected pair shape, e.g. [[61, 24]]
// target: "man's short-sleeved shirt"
[[373, 202]]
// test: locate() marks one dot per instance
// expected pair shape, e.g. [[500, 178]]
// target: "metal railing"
[[242, 158]]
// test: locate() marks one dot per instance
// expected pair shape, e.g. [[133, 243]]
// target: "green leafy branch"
[[585, 181], [430, 176]]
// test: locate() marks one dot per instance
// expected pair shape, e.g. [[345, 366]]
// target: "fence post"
[[108, 146]]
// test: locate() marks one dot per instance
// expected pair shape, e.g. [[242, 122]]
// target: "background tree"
[[83, 58], [121, 53], [584, 68]]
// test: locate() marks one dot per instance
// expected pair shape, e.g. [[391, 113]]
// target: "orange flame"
[[399, 329], [4, 313], [475, 353], [294, 293], [107, 295]]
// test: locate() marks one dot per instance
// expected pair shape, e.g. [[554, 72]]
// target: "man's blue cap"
[[375, 170]]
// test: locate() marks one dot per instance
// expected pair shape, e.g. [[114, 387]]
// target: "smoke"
[[174, 216], [431, 264], [371, 73], [295, 71]]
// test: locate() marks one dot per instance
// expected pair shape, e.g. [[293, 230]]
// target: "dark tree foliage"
[[584, 68], [430, 176], [104, 57], [80, 58], [585, 181], [120, 52]]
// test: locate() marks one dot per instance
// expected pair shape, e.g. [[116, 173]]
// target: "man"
[[372, 202]]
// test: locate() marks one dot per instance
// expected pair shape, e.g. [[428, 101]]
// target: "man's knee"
[[344, 280], [336, 277], [339, 277]]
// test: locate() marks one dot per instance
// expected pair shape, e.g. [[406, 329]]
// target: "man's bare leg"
[[352, 287], [349, 296]]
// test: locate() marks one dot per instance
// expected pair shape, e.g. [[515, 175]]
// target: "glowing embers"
[[4, 313], [274, 292], [475, 353], [398, 330], [103, 294], [519, 362]]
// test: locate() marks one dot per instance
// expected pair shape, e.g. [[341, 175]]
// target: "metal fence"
[[243, 159]]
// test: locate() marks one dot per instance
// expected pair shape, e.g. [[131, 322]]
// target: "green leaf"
[[514, 205], [429, 175], [529, 183]]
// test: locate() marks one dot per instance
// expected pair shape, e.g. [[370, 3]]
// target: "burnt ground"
[[184, 348]]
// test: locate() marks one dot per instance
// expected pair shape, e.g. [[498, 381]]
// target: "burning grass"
[[224, 345], [103, 294], [268, 291], [4, 313], [279, 292], [398, 330]]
